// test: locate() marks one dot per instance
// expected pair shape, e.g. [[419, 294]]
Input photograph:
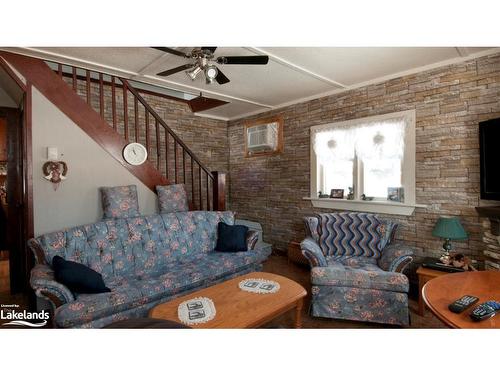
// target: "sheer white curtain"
[[375, 140]]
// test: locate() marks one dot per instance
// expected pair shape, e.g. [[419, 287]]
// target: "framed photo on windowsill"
[[337, 193]]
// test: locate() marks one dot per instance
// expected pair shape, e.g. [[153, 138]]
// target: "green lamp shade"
[[449, 227]]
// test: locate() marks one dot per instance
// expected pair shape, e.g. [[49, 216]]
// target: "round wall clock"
[[135, 153]]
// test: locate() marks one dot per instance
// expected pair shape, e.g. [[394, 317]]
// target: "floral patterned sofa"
[[357, 268], [144, 260]]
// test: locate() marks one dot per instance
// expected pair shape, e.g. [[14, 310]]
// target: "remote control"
[[462, 304], [485, 310]]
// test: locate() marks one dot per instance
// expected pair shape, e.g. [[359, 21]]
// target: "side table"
[[424, 275]]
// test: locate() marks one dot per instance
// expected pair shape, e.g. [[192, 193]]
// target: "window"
[[264, 137], [374, 156]]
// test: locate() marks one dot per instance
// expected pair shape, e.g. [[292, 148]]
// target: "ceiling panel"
[[128, 58], [354, 65], [232, 109]]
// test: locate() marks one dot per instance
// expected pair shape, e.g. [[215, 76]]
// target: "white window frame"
[[377, 206]]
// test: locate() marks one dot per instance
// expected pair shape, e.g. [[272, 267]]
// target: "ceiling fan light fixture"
[[211, 72], [193, 73]]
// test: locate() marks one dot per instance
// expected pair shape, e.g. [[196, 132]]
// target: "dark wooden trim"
[[252, 123], [12, 74], [61, 95], [219, 191]]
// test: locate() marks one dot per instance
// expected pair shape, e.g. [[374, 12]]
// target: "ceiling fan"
[[203, 59]]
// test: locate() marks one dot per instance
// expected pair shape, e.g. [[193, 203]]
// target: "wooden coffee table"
[[240, 309], [439, 292]]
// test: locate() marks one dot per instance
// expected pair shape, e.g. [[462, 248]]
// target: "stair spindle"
[[208, 193], [125, 111], [158, 152], [199, 187], [87, 86], [59, 70], [192, 182], [183, 166], [136, 113], [175, 160], [166, 154], [74, 83], [113, 100], [101, 96], [147, 130]]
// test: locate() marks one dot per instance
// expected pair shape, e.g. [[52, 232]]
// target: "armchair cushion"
[[363, 275], [313, 253], [395, 256], [43, 280]]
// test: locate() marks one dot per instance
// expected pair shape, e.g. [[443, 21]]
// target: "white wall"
[[77, 200], [6, 100]]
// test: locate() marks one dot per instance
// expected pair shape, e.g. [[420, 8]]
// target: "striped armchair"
[[356, 268]]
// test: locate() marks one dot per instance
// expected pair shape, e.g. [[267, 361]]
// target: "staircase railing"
[[125, 109]]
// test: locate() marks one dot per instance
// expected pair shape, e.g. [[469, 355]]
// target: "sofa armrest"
[[396, 257], [45, 286], [252, 238], [313, 253]]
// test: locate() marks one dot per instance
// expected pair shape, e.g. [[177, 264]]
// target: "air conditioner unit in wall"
[[262, 138]]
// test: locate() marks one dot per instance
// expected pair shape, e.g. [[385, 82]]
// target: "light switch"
[[52, 153]]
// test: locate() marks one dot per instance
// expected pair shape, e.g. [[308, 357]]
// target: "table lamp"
[[449, 228]]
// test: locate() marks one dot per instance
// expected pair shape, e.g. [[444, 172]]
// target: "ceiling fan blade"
[[172, 51], [221, 78], [211, 49], [254, 60], [175, 70]]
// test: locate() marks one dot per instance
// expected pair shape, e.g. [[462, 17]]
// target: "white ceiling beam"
[[296, 67]]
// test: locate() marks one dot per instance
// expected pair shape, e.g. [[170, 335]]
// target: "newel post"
[[219, 191]]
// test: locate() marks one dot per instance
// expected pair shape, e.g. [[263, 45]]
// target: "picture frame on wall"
[[337, 193]]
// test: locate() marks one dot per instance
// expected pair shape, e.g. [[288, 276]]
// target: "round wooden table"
[[438, 293]]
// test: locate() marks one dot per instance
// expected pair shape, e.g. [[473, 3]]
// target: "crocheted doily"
[[260, 286], [196, 311]]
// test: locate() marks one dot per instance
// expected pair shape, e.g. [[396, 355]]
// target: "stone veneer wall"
[[449, 101]]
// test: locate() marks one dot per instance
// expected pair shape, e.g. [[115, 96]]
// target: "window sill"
[[381, 207]]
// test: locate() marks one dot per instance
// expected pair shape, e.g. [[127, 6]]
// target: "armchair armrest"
[[45, 285], [313, 253], [396, 257], [252, 238]]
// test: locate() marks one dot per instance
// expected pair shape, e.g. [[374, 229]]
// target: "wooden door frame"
[[27, 167]]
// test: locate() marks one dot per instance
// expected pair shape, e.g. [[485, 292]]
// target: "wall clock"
[[135, 153]]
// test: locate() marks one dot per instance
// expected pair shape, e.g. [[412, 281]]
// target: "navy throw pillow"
[[78, 277], [231, 238]]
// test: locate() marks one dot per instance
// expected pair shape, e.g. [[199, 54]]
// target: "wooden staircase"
[[111, 111]]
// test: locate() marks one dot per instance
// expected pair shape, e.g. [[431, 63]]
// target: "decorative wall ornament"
[[55, 172]]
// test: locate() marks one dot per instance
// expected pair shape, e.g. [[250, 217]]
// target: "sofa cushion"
[[183, 275], [349, 233], [231, 238], [77, 277], [352, 272], [119, 202], [388, 231], [172, 198]]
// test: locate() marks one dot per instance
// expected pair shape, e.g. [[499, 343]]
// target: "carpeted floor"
[[280, 265]]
